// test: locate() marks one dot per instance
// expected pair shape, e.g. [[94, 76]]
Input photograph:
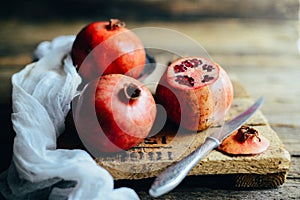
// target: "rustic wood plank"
[[290, 190], [218, 187], [228, 8], [275, 78], [260, 180], [294, 172], [222, 36], [230, 42], [146, 161], [290, 136], [236, 37], [156, 153], [229, 181]]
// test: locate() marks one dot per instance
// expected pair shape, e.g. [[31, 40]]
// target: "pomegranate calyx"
[[245, 132], [132, 91], [115, 24]]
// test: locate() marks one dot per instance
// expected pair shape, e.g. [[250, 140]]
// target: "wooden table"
[[261, 54]]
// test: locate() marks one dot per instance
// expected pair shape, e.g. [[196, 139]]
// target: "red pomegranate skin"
[[195, 107], [107, 121], [235, 145], [107, 47]]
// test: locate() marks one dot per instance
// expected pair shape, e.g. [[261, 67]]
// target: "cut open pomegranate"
[[245, 141], [194, 73], [195, 92]]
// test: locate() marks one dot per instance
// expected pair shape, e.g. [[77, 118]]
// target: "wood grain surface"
[[261, 54], [170, 145]]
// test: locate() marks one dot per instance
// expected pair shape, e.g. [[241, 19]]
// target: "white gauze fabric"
[[42, 94]]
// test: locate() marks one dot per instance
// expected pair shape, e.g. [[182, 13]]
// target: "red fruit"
[[245, 141], [107, 48], [113, 113], [195, 92]]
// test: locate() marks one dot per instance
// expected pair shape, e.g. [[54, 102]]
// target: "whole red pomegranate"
[[102, 48], [195, 92], [113, 113]]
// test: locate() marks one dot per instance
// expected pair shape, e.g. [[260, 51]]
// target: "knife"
[[173, 175]]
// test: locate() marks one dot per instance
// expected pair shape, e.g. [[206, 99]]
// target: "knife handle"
[[173, 175]]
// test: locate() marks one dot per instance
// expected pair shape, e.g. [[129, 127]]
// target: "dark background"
[[41, 10]]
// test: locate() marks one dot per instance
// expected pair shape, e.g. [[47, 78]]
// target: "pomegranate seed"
[[207, 78], [187, 63], [179, 68], [208, 68], [196, 62], [185, 80]]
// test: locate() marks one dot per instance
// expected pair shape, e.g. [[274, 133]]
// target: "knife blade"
[[173, 175]]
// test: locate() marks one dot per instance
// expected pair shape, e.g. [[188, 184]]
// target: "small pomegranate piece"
[[102, 48], [114, 113], [195, 92], [245, 141]]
